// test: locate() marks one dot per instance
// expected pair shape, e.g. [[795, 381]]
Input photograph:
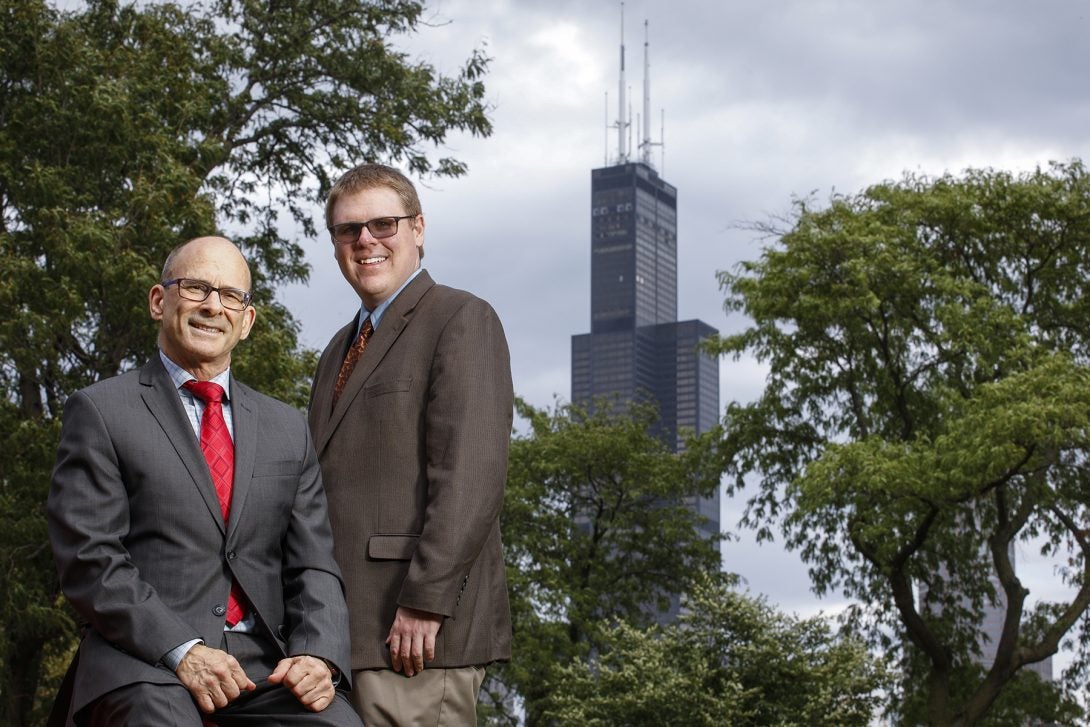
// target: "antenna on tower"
[[621, 125], [646, 143], [605, 146]]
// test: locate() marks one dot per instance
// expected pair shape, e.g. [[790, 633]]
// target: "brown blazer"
[[414, 461]]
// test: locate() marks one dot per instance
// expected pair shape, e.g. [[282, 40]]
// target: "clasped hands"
[[215, 679]]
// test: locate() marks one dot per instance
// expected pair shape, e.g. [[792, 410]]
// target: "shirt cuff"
[[334, 672], [174, 657]]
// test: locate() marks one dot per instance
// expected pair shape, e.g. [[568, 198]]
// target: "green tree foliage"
[[926, 414], [126, 128], [730, 659], [595, 528]]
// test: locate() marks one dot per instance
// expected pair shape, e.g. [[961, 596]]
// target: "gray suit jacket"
[[414, 459], [140, 543]]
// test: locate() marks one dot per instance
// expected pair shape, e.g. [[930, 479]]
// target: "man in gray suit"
[[210, 592], [411, 412]]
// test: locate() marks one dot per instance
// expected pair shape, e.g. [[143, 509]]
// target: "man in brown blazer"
[[411, 413]]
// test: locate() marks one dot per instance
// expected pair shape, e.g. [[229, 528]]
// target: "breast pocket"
[[392, 547], [276, 468], [387, 386]]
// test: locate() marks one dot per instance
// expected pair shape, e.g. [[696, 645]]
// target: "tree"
[[927, 409], [729, 659], [595, 527], [126, 128]]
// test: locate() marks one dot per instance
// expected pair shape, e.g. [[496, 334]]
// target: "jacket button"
[[231, 555], [220, 609]]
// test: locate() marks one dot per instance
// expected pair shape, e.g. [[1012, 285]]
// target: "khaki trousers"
[[431, 698]]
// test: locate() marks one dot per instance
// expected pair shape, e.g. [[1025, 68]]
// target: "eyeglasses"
[[346, 233], [198, 290]]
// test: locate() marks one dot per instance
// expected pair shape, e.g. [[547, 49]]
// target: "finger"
[[280, 671], [295, 675], [217, 697], [320, 703], [318, 700], [318, 695], [231, 690], [395, 655], [418, 652], [240, 680], [409, 648], [204, 702], [429, 646]]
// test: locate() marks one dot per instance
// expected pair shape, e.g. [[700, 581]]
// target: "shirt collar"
[[180, 376], [380, 309]]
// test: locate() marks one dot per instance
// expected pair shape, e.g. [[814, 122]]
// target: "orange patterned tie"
[[351, 358], [219, 453]]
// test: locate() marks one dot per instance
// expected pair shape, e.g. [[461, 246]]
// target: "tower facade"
[[637, 350]]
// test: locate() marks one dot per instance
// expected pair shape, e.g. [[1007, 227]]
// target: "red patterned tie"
[[219, 453], [351, 358]]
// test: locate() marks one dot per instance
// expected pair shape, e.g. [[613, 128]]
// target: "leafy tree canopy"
[[596, 526], [729, 659], [926, 414]]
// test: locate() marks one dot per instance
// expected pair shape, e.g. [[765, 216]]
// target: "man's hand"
[[412, 639], [308, 678], [213, 677]]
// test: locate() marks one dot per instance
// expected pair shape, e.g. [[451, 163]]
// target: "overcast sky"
[[764, 101]]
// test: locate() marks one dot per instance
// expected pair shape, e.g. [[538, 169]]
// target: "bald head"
[[199, 334], [208, 245]]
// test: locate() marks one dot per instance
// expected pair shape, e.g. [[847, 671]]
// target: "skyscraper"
[[637, 350]]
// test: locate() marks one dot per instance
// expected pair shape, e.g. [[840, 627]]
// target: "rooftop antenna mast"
[[646, 143], [622, 125]]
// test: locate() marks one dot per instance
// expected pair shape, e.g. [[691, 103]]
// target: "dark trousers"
[[157, 705]]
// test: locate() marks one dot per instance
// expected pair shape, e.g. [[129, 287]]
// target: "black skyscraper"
[[637, 349]]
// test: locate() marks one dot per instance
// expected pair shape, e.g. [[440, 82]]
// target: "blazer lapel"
[[245, 425], [325, 378], [394, 321], [161, 399]]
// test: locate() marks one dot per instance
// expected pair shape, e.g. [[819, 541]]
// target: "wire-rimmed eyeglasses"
[[198, 290]]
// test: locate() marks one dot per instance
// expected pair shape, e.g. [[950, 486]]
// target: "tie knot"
[[206, 391]]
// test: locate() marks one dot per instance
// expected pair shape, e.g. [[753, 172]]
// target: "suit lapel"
[[394, 321], [245, 424], [325, 377], [161, 399]]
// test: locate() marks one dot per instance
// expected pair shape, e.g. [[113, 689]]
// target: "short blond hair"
[[369, 176]]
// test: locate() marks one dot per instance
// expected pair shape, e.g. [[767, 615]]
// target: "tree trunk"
[[19, 683]]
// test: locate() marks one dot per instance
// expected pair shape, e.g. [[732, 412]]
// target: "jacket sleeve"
[[88, 517], [467, 435], [316, 616]]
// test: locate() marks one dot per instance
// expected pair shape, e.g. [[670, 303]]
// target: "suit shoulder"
[[454, 299], [110, 388], [268, 405]]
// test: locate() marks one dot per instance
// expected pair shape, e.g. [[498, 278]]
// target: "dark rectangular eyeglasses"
[[346, 233]]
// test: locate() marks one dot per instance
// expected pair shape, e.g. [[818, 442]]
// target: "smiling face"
[[200, 335], [377, 268]]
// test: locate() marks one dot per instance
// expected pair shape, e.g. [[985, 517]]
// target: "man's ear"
[[248, 317], [155, 302]]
